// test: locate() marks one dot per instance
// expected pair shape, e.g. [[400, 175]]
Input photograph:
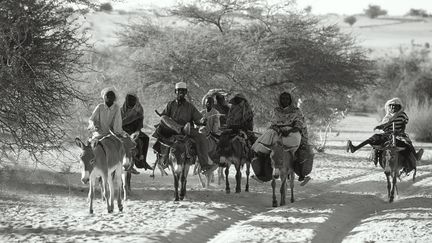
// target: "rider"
[[288, 125], [211, 118], [177, 118], [222, 107], [105, 117], [394, 115], [133, 116]]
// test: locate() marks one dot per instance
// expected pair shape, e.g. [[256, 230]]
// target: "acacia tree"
[[39, 53], [260, 53]]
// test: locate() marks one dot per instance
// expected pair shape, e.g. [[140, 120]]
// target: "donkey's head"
[[281, 156], [86, 159]]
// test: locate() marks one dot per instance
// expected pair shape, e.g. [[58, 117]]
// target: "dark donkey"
[[176, 149], [234, 150], [105, 160], [392, 161], [282, 162]]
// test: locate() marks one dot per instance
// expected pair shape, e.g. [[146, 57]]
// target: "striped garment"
[[399, 121]]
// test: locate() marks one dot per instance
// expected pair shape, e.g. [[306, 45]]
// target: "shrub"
[[105, 7], [418, 13], [350, 20], [420, 116], [374, 11]]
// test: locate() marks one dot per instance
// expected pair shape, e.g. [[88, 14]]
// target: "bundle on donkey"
[[289, 128]]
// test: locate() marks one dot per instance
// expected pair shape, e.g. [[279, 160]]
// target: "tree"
[[350, 20], [418, 13], [105, 7], [374, 11], [39, 53], [259, 54]]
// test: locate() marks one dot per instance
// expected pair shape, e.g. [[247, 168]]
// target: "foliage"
[[39, 53], [350, 20], [259, 52], [374, 11], [418, 13], [405, 76], [420, 116], [106, 7]]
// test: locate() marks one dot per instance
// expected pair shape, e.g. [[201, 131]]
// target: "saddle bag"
[[304, 160]]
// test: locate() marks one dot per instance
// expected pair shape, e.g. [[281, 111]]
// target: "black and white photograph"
[[218, 121]]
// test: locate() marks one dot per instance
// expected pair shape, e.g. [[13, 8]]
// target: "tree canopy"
[[256, 49], [39, 53]]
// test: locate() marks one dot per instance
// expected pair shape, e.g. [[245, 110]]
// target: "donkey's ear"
[[79, 143]]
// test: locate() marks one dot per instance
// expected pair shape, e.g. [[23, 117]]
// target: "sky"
[[393, 7]]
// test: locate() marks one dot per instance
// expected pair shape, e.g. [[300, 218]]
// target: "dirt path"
[[345, 201]]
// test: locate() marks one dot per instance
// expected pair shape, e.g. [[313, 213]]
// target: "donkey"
[[214, 158], [392, 158], [282, 162], [179, 162], [106, 160], [235, 151]]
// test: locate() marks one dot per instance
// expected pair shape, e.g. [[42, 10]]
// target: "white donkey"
[[106, 161]]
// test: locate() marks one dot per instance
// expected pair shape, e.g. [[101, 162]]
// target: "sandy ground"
[[344, 202]]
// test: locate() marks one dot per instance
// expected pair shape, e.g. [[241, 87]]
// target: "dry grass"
[[420, 115]]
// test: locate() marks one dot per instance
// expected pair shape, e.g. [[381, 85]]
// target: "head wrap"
[[106, 90], [135, 112], [388, 116], [180, 85]]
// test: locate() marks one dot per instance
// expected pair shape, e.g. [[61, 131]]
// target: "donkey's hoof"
[[275, 204], [121, 209], [238, 190], [176, 199], [91, 211], [228, 191], [282, 204]]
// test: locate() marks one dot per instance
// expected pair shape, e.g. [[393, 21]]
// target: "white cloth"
[[271, 136], [104, 119], [212, 122]]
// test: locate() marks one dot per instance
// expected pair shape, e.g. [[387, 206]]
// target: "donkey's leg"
[[106, 189], [247, 175], [118, 184], [227, 186], [91, 194], [273, 184], [124, 184], [128, 182], [176, 183], [220, 175], [291, 178], [111, 193], [394, 179], [238, 176], [197, 170], [387, 174], [283, 188], [184, 173]]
